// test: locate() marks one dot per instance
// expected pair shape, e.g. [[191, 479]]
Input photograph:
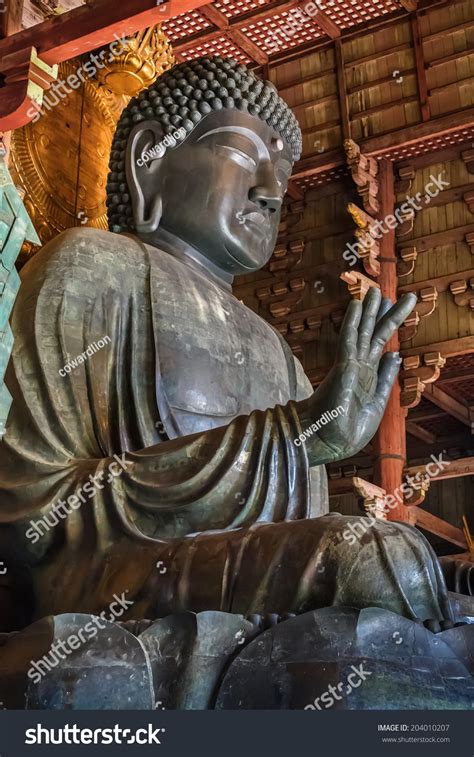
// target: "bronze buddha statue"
[[199, 399]]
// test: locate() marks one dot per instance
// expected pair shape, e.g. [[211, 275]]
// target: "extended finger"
[[371, 307], [347, 345], [388, 324], [388, 369], [385, 306]]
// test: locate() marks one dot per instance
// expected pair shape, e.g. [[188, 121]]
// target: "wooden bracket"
[[406, 225], [282, 297], [417, 372], [463, 293], [364, 171], [426, 305], [373, 498], [25, 79], [311, 323], [468, 158], [468, 198], [291, 214], [286, 256], [337, 317], [408, 259], [404, 184], [369, 246], [419, 488], [358, 284], [470, 241]]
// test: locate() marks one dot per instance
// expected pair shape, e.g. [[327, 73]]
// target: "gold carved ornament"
[[60, 163]]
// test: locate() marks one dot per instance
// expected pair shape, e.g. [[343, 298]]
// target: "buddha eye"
[[239, 157]]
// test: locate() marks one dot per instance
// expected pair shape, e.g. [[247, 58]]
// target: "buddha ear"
[[143, 166]]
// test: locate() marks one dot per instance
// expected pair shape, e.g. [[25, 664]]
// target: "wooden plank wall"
[[380, 70], [438, 264]]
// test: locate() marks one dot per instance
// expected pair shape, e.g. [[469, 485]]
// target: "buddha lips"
[[326, 418]]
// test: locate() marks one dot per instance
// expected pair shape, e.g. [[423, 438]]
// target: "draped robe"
[[215, 505]]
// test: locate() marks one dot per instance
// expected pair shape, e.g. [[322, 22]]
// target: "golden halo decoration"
[[60, 163], [146, 55]]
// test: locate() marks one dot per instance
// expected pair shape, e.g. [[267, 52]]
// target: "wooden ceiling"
[[241, 28], [244, 27]]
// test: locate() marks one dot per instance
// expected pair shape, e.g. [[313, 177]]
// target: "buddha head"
[[203, 156]]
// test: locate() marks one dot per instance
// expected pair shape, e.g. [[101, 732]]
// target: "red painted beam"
[[67, 36], [90, 26]]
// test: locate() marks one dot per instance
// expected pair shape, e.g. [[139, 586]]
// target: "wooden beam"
[[428, 242], [441, 283], [419, 416], [376, 83], [384, 106], [92, 25], [465, 374], [220, 20], [420, 433], [249, 47], [463, 466], [214, 15], [342, 90], [11, 12], [420, 68], [27, 58], [412, 135], [242, 21], [325, 23], [294, 191], [433, 524], [384, 144], [449, 405], [450, 348]]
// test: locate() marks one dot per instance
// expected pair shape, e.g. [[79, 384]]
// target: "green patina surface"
[[15, 228]]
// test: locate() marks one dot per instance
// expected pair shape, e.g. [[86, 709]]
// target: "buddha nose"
[[267, 194]]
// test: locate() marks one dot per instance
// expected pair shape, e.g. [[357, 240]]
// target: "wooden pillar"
[[11, 12], [390, 441]]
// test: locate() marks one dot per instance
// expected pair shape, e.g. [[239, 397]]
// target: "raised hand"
[[359, 384]]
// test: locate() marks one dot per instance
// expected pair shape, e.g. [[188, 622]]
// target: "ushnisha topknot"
[[181, 97]]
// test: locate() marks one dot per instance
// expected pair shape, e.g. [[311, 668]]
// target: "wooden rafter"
[[420, 67], [385, 144], [420, 433], [342, 90], [242, 21], [220, 20], [449, 348], [464, 466], [326, 24], [451, 406], [422, 518]]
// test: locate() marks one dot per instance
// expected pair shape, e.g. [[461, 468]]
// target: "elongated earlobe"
[[142, 177], [151, 223]]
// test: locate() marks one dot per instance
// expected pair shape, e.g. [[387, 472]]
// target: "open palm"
[[359, 384]]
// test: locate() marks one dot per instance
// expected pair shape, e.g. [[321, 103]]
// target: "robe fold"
[[103, 487]]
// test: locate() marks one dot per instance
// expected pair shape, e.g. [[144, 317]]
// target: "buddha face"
[[220, 191]]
